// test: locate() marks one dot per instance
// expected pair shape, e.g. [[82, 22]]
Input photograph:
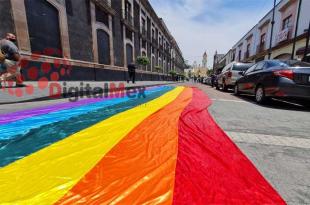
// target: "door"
[[43, 27], [103, 41], [253, 77], [129, 53]]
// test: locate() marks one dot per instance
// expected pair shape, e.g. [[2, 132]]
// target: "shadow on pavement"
[[276, 103]]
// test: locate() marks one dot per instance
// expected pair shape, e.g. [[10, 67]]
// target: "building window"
[[43, 27], [143, 13], [103, 41], [128, 11], [129, 53], [102, 16], [144, 44], [128, 34], [143, 24], [287, 22], [153, 63], [263, 39]]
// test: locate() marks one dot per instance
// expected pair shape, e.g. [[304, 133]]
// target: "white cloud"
[[217, 28]]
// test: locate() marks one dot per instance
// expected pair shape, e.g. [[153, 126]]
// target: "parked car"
[[230, 74], [207, 80], [276, 79]]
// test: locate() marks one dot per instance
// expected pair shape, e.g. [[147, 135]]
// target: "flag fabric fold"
[[163, 149]]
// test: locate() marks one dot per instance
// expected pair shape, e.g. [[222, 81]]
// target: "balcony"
[[261, 48], [105, 5], [128, 20], [285, 34], [143, 32]]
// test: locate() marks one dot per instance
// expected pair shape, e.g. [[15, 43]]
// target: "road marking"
[[296, 142], [225, 100]]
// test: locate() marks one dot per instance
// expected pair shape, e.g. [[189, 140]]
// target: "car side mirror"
[[242, 73]]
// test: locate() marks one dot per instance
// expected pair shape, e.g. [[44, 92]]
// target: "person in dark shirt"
[[131, 73], [10, 65]]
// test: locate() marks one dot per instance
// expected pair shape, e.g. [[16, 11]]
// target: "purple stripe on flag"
[[12, 117]]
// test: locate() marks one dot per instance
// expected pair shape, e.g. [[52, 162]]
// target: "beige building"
[[258, 43]]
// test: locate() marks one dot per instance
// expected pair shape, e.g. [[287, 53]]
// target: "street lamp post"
[[296, 30], [307, 43], [272, 27]]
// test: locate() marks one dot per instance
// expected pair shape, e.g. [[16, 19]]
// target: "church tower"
[[205, 60]]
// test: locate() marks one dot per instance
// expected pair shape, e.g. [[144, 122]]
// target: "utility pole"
[[296, 30], [307, 43], [272, 27]]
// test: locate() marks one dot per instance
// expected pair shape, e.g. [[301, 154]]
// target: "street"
[[275, 138]]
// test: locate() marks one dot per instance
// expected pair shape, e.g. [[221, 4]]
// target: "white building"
[[254, 45]]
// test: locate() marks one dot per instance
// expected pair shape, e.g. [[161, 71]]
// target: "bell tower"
[[205, 60]]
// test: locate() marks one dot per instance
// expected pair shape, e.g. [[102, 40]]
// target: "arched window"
[[129, 53], [43, 27], [103, 41], [153, 63]]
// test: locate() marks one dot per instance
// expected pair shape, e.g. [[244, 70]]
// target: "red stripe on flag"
[[211, 169]]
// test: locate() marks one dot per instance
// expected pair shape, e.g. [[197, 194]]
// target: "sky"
[[209, 25]]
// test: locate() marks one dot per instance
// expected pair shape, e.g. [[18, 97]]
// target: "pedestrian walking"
[[10, 60], [213, 78], [131, 73]]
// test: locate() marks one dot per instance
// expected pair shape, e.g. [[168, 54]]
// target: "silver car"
[[230, 74]]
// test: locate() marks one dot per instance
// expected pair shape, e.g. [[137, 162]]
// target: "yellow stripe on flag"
[[47, 175]]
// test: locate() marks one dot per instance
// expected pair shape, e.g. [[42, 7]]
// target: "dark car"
[[276, 79]]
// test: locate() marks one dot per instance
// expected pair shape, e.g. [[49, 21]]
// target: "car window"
[[241, 67], [226, 68], [251, 69], [259, 66], [275, 63]]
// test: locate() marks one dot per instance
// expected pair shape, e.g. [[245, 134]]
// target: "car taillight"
[[229, 74], [284, 73]]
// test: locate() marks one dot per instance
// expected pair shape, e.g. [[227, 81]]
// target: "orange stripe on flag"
[[141, 168]]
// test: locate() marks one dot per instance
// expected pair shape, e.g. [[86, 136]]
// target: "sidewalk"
[[41, 91]]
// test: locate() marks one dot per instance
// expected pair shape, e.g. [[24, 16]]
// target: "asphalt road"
[[276, 138]]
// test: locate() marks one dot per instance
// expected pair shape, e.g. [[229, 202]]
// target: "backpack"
[[2, 56]]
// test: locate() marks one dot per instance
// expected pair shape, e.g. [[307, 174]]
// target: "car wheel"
[[236, 90], [260, 96], [224, 87]]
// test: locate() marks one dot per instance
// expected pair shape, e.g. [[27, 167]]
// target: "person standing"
[[9, 65], [131, 73]]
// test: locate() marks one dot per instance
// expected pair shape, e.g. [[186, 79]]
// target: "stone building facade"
[[99, 38]]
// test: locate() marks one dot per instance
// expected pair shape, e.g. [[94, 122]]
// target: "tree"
[[158, 69], [143, 61], [173, 75]]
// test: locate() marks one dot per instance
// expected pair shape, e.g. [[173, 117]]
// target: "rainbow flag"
[[162, 149]]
